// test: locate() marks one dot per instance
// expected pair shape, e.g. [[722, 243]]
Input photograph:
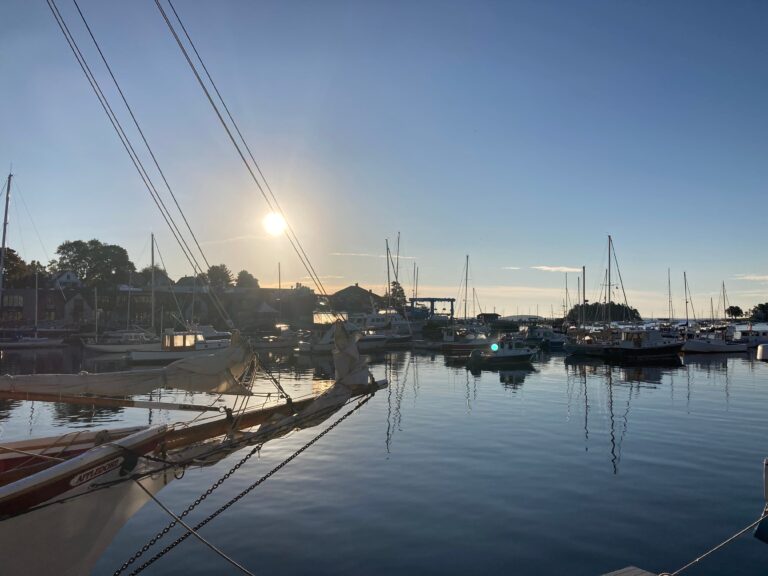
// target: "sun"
[[274, 224]]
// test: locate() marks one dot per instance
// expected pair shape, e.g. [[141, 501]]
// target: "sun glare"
[[274, 224]]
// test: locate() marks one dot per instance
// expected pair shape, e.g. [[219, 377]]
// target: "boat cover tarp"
[[217, 372]]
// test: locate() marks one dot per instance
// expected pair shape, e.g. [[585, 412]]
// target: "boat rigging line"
[[141, 133], [127, 144], [192, 531], [228, 504], [722, 544], [266, 190]]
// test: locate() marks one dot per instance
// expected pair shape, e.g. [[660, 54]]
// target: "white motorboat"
[[752, 335], [505, 351], [122, 342], [366, 342], [712, 345], [177, 345], [27, 342]]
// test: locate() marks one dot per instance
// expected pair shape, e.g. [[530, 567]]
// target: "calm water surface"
[[561, 468]]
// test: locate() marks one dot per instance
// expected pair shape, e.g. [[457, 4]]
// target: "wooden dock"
[[630, 571]]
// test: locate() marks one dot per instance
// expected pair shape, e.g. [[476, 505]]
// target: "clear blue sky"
[[518, 132]]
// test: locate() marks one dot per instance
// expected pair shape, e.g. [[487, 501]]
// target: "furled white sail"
[[216, 372], [351, 370]]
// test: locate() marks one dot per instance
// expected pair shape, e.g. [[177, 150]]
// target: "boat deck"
[[630, 571]]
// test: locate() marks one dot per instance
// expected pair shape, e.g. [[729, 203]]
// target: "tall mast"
[[581, 308], [96, 312], [152, 279], [584, 294], [669, 292], [194, 293], [37, 298], [279, 292], [466, 286], [711, 310], [608, 294], [128, 314], [389, 280], [397, 260], [724, 304], [5, 229], [685, 288]]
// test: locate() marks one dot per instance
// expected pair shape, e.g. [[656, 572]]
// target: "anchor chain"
[[224, 507]]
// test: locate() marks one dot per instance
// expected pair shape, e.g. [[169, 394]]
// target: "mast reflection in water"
[[560, 465]]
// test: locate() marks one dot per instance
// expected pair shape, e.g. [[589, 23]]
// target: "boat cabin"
[[180, 341], [510, 344]]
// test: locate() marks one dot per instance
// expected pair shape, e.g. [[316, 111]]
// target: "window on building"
[[13, 301]]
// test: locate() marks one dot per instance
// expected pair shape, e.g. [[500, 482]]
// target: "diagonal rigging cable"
[[141, 133], [291, 233], [267, 193], [217, 303], [125, 141]]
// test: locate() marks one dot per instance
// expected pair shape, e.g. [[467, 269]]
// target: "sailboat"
[[21, 342], [623, 344], [77, 475], [55, 481], [468, 336], [702, 343]]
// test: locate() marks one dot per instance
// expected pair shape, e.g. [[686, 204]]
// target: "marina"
[[370, 288], [631, 441]]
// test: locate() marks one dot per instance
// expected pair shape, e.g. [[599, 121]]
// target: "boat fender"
[[102, 437], [130, 460]]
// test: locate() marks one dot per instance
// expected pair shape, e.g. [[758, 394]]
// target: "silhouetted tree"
[[15, 270], [759, 313], [246, 280], [220, 277], [734, 312], [397, 295], [94, 262], [597, 312]]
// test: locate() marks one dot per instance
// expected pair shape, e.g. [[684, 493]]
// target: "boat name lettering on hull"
[[96, 471]]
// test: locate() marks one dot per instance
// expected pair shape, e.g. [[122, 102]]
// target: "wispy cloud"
[[510, 267], [233, 239], [366, 255], [323, 277], [752, 277], [556, 268]]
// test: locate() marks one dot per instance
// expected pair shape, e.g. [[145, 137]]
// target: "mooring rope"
[[192, 531], [719, 546], [224, 507]]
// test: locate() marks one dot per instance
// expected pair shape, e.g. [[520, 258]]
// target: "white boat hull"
[[122, 348], [711, 346], [33, 344], [160, 356]]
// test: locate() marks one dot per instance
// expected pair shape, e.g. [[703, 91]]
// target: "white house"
[[66, 279]]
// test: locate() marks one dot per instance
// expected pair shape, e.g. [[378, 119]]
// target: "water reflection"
[[77, 415], [617, 386], [6, 407], [513, 379], [41, 361]]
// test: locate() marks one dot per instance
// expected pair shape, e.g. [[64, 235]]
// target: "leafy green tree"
[[734, 312], [200, 280], [94, 262], [246, 280], [220, 277], [144, 277], [759, 313], [15, 270], [597, 312], [397, 295]]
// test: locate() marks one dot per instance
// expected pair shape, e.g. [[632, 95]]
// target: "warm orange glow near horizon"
[[274, 224]]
